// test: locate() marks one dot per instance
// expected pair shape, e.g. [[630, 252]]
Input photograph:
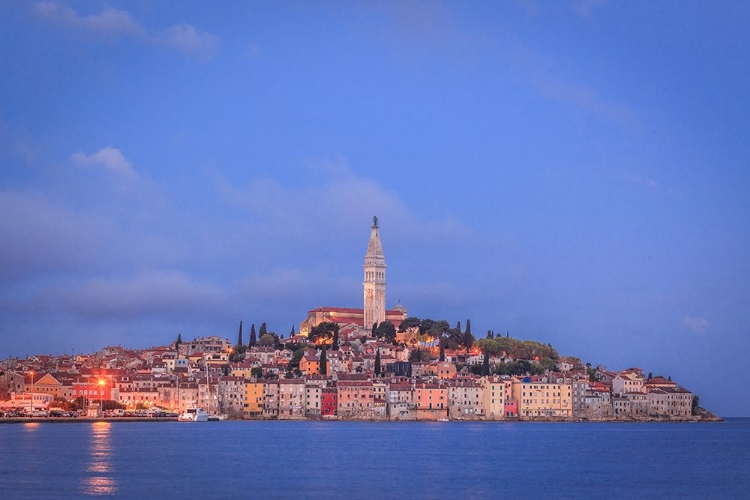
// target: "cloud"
[[42, 239], [108, 22], [695, 325], [184, 38], [190, 41], [109, 158], [169, 293], [338, 202]]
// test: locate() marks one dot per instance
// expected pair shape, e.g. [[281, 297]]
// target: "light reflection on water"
[[99, 480]]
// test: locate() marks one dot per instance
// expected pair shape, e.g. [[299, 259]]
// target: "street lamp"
[[31, 372], [101, 395]]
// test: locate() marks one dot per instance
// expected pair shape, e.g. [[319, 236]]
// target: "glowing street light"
[[101, 394], [31, 372]]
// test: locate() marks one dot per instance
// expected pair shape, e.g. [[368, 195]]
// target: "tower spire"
[[374, 283]]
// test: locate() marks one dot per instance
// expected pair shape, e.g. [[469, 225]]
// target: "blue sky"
[[571, 172]]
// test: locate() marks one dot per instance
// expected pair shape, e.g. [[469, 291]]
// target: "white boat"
[[193, 415]]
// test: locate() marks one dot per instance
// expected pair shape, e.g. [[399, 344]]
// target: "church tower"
[[374, 284]]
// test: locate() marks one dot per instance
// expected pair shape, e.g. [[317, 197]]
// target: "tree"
[[324, 330], [442, 348], [291, 333], [226, 370], [410, 322], [387, 331], [377, 363], [240, 344], [267, 340], [263, 329], [650, 376], [253, 340], [696, 405], [486, 363], [468, 337], [178, 342], [256, 372], [323, 362], [374, 329], [335, 345]]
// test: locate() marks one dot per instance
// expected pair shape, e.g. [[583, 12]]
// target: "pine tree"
[[323, 363], [253, 339], [486, 363], [377, 363], [442, 349]]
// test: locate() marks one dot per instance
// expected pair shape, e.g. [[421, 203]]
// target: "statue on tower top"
[[375, 221]]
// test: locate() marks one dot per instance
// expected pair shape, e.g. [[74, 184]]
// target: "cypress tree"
[[468, 337], [335, 345], [291, 333], [377, 363], [323, 362], [374, 329], [239, 339], [263, 330], [442, 349], [486, 363], [458, 327], [253, 339]]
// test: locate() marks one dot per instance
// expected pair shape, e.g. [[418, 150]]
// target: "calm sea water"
[[375, 460]]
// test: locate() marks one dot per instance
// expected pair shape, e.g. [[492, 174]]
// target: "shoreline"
[[53, 420]]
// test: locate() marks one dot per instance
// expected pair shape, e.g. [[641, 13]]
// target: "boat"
[[193, 415], [443, 420]]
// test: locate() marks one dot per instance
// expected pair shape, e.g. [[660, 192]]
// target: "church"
[[352, 320]]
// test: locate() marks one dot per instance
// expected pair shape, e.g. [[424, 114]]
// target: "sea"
[[381, 460]]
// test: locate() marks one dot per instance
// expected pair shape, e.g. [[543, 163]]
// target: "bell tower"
[[374, 285]]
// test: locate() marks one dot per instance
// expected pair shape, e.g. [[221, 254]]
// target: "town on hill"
[[371, 363], [425, 370]]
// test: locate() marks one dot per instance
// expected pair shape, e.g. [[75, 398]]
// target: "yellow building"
[[494, 397], [253, 399], [541, 400]]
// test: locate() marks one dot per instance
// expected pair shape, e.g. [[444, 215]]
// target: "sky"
[[571, 172]]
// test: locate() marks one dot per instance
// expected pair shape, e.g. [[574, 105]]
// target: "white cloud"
[[184, 38], [109, 158], [695, 325], [190, 41], [110, 21]]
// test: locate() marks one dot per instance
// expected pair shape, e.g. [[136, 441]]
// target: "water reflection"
[[30, 426], [99, 480]]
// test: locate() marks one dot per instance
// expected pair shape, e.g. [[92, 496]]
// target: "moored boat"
[[193, 415]]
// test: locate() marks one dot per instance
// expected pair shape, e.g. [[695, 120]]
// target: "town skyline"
[[569, 172]]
